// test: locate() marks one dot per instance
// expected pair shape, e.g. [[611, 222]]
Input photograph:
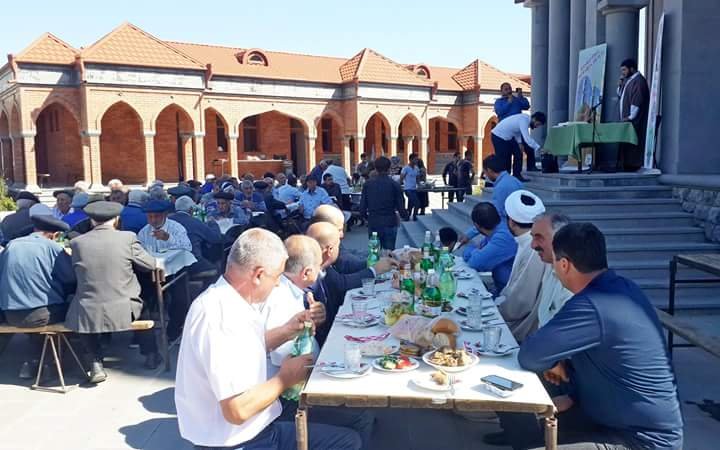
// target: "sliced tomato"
[[403, 362]]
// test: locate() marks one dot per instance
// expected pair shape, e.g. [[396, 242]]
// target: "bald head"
[[328, 236], [304, 260], [330, 214]]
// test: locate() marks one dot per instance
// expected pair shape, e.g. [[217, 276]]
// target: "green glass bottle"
[[448, 286], [407, 286], [446, 260], [302, 345], [372, 259], [437, 247], [427, 263], [374, 242], [431, 297], [427, 244]]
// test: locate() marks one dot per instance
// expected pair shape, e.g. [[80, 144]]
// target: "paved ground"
[[134, 409]]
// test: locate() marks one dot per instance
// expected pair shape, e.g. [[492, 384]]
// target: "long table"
[[396, 390]]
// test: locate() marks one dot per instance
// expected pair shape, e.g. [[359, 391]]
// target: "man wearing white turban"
[[518, 300]]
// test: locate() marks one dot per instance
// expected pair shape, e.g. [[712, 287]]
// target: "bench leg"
[[42, 362], [57, 363], [72, 350]]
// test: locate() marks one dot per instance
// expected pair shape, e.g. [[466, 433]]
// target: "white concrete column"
[[477, 158], [199, 151], [149, 156], [359, 148], [345, 156], [311, 160], [93, 139], [539, 59], [622, 20], [558, 61], [408, 142], [594, 24], [29, 161], [3, 169], [393, 146], [233, 154], [577, 43], [423, 150]]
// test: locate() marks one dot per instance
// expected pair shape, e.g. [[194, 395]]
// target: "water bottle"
[[431, 297], [374, 243], [302, 345], [437, 247], [448, 286], [372, 258], [427, 245]]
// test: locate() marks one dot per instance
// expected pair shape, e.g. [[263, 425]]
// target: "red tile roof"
[[48, 49]]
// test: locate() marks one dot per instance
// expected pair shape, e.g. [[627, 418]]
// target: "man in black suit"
[[331, 288]]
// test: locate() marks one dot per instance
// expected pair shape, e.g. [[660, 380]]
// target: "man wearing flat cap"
[[18, 224], [79, 201], [519, 299], [181, 190], [162, 234], [63, 201], [108, 292]]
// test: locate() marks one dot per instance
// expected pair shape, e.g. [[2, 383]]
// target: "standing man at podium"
[[634, 101]]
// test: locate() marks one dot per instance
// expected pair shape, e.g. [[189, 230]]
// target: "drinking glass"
[[353, 356], [359, 309], [474, 311], [491, 338], [368, 286]]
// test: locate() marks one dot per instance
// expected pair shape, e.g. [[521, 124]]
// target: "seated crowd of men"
[[592, 335]]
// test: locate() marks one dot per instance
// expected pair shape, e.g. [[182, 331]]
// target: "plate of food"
[[392, 363], [394, 312], [466, 326], [367, 321], [435, 381], [475, 291], [375, 349], [341, 372], [450, 359], [462, 310], [500, 350]]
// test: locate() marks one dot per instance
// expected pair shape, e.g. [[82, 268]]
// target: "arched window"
[[422, 72], [256, 58]]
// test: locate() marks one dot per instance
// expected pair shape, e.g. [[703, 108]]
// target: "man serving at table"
[[223, 394]]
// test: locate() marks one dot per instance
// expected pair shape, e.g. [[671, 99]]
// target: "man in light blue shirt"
[[313, 197], [496, 252], [408, 178]]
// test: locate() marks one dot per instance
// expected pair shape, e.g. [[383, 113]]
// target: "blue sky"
[[434, 32]]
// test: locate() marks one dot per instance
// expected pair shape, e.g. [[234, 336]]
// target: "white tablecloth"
[[400, 385], [172, 261]]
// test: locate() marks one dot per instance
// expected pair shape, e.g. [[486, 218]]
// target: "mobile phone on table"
[[501, 383]]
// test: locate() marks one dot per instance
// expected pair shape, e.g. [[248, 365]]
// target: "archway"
[[329, 142], [122, 145], [409, 128], [216, 143], [377, 136], [269, 138], [173, 145], [6, 156], [443, 143], [58, 147]]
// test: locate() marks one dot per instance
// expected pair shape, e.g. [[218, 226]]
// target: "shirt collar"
[[294, 289], [524, 238], [229, 294]]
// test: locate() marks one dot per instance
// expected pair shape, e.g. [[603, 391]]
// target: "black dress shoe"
[[97, 373], [497, 439], [152, 361]]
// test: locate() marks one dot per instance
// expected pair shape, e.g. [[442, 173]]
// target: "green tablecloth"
[[566, 140]]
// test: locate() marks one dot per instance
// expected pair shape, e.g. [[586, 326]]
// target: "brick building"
[[134, 107]]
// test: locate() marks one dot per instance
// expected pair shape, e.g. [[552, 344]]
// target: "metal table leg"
[[163, 325], [301, 428], [551, 431]]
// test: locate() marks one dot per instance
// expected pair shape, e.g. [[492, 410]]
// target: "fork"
[[452, 381]]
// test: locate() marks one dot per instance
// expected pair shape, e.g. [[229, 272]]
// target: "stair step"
[[686, 296], [654, 269], [657, 252], [654, 235], [592, 180], [591, 193]]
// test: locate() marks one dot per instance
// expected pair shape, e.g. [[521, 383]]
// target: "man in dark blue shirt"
[[383, 204], [510, 103], [607, 343]]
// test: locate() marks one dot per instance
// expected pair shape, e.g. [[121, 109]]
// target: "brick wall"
[[166, 154], [212, 153], [258, 168], [704, 204], [58, 146], [122, 146]]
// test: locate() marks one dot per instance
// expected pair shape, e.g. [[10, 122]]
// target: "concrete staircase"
[[644, 227]]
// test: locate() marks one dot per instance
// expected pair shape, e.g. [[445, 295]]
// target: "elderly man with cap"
[[63, 200], [36, 277], [18, 224], [182, 189], [162, 234], [519, 299], [115, 184], [248, 199], [201, 236], [79, 201], [132, 217], [108, 292]]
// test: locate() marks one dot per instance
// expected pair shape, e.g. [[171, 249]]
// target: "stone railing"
[[703, 201]]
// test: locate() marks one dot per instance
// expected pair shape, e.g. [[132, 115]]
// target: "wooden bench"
[[58, 331], [690, 333]]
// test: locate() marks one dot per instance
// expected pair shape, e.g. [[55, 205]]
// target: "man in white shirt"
[[511, 130], [519, 298], [341, 178], [162, 234], [553, 294], [408, 178], [223, 395]]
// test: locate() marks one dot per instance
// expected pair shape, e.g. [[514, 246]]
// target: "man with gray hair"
[[553, 294], [223, 394]]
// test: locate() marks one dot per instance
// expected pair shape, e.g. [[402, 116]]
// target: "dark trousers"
[[33, 318], [357, 419], [413, 202], [467, 190], [387, 235], [529, 157], [575, 432], [510, 154]]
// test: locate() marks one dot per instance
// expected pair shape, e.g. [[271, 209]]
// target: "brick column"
[[3, 149], [199, 146], [345, 156], [187, 162], [92, 172], [233, 154], [477, 157], [149, 156], [18, 159], [310, 160], [408, 142], [393, 146], [359, 148], [423, 150], [28, 149]]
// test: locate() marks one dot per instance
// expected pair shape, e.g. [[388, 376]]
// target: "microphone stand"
[[593, 118]]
